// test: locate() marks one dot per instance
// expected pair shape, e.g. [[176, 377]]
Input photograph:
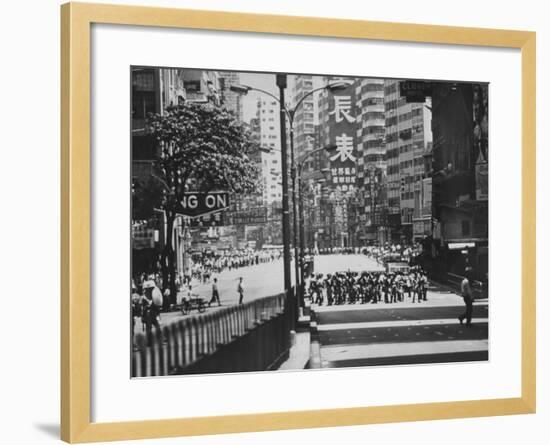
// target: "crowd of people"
[[147, 301], [206, 264], [379, 252], [367, 287]]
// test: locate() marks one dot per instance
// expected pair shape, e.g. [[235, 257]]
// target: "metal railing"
[[247, 337]]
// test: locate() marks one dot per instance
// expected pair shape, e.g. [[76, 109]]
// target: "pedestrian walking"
[[215, 293], [240, 290], [152, 307], [466, 290], [424, 286], [187, 297], [136, 307]]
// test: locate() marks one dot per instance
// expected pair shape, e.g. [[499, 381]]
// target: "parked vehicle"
[[397, 267]]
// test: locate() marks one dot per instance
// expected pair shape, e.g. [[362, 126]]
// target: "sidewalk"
[[298, 354]]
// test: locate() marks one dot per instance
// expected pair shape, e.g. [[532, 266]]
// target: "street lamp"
[[281, 81], [333, 87]]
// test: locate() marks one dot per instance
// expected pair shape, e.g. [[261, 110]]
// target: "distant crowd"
[[206, 264], [367, 287]]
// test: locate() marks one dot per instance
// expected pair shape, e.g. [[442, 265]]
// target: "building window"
[[405, 134], [391, 105], [374, 115], [374, 101], [390, 89], [374, 87]]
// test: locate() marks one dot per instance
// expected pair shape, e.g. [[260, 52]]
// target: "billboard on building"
[[255, 215], [342, 124]]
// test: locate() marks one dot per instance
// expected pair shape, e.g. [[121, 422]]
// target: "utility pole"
[[281, 83], [297, 266]]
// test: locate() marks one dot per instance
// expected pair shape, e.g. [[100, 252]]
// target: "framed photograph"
[[256, 206]]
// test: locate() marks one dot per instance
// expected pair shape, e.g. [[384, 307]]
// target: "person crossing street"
[[467, 295], [240, 290], [215, 293]]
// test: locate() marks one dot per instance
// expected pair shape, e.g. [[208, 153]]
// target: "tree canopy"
[[202, 148], [199, 148]]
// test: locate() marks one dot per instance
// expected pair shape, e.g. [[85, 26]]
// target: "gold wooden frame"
[[76, 20]]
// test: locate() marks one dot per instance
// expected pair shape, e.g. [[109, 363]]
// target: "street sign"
[[198, 203]]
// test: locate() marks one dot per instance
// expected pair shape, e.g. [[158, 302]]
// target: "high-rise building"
[[371, 163], [154, 90], [268, 121], [202, 86], [305, 101], [231, 100], [338, 128], [306, 117], [460, 181], [408, 143]]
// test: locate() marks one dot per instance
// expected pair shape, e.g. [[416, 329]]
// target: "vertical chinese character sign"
[[342, 135]]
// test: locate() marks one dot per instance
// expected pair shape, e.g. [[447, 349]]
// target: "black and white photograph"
[[302, 221]]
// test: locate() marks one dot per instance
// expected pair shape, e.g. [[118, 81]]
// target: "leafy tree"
[[202, 148]]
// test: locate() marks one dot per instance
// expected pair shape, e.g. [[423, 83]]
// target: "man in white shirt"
[[215, 293], [153, 300], [467, 295]]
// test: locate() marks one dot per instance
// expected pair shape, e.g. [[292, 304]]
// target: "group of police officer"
[[367, 287]]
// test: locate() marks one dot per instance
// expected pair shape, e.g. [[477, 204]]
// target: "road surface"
[[265, 279], [398, 333]]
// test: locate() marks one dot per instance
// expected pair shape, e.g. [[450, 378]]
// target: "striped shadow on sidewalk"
[[394, 335], [395, 354]]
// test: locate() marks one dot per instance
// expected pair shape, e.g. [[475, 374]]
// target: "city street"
[[366, 335], [214, 188], [401, 333], [259, 281], [266, 279]]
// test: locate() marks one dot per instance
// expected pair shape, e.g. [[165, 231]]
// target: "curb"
[[315, 361]]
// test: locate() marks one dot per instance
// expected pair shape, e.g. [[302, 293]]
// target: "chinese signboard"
[[256, 215], [415, 90], [342, 136], [216, 219], [198, 203]]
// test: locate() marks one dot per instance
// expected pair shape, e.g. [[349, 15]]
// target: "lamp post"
[[281, 82], [375, 187]]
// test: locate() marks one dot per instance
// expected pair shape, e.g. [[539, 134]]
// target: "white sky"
[[257, 80]]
